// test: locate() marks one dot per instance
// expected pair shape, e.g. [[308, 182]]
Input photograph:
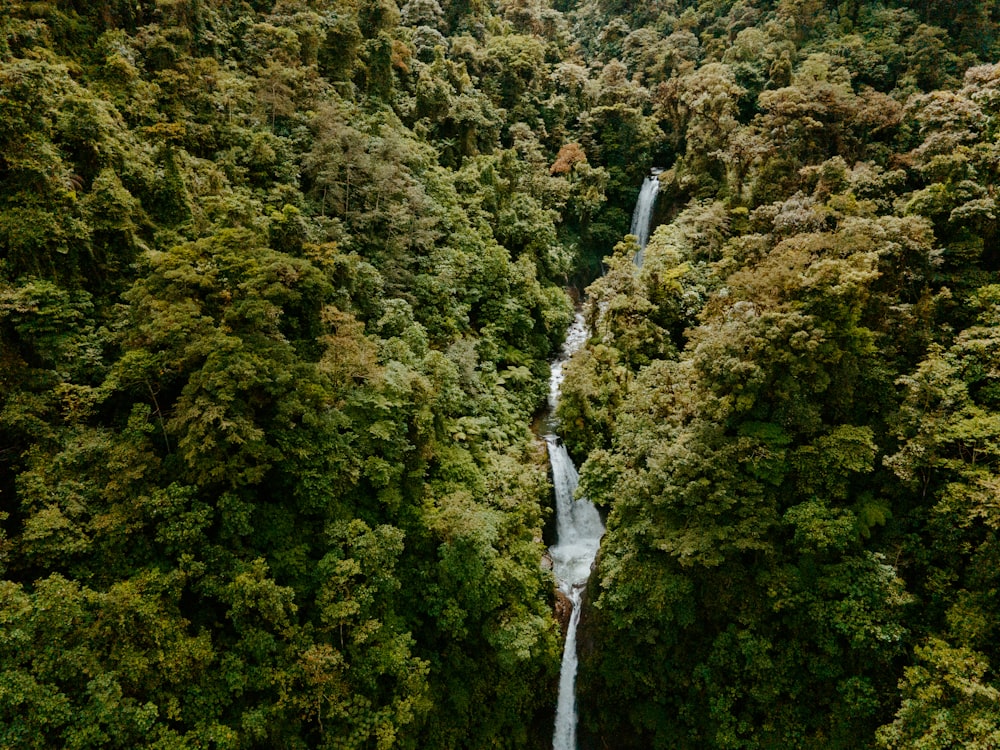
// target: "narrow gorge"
[[578, 523]]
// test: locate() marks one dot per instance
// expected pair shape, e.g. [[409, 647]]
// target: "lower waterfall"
[[579, 530]]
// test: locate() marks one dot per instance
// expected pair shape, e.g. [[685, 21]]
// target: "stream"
[[578, 524], [579, 530]]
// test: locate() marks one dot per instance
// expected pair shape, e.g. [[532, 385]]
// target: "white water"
[[579, 530], [576, 337], [565, 734], [578, 524], [642, 216]]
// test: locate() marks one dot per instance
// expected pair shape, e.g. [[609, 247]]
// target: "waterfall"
[[578, 524], [642, 216], [565, 732], [579, 530]]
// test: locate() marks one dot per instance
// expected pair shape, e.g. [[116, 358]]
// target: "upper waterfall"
[[642, 216]]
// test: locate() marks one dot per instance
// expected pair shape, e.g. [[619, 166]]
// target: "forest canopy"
[[279, 285]]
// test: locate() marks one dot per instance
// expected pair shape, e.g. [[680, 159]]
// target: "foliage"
[[278, 286], [268, 358], [786, 411]]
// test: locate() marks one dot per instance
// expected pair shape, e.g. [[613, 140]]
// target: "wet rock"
[[564, 610]]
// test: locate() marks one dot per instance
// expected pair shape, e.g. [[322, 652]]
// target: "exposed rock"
[[564, 609]]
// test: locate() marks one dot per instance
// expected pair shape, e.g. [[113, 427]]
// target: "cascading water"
[[578, 524], [642, 216], [579, 530]]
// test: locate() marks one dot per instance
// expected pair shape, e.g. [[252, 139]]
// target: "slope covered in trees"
[[277, 291], [278, 284], [789, 410]]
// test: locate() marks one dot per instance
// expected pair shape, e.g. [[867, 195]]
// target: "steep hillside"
[[789, 411], [278, 286]]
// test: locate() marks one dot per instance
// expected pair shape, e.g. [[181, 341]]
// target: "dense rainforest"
[[279, 284]]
